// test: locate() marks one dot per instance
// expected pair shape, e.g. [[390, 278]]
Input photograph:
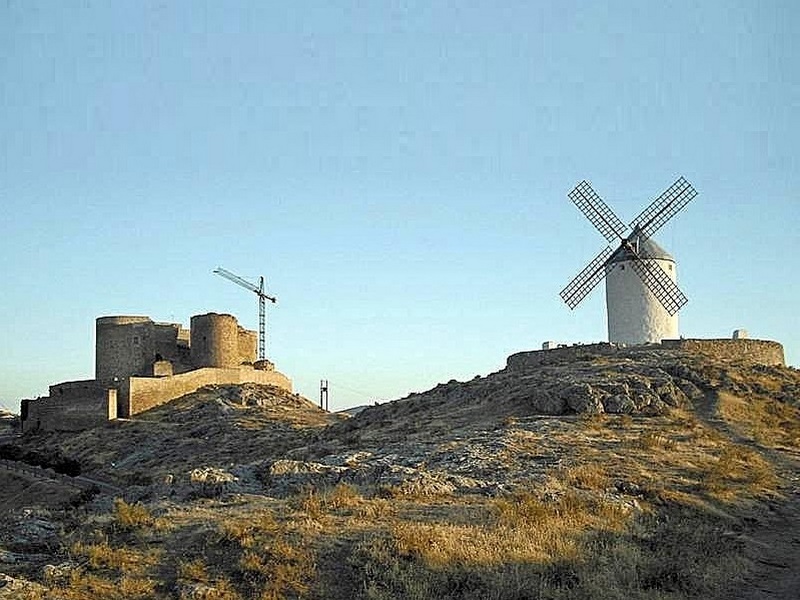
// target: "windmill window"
[[136, 340]]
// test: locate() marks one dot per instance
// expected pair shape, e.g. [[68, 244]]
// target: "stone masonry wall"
[[72, 406], [142, 393], [762, 352], [124, 345], [248, 345], [215, 341], [744, 350], [536, 358]]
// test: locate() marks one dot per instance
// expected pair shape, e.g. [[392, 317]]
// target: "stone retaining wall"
[[763, 352], [142, 393], [75, 410]]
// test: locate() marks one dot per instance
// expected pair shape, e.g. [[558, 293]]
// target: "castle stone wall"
[[763, 352], [555, 356], [140, 364], [248, 345], [142, 393], [76, 390], [72, 406]]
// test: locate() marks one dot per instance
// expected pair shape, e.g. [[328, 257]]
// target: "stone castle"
[[140, 364]]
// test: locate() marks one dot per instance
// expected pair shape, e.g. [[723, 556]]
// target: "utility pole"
[[323, 393]]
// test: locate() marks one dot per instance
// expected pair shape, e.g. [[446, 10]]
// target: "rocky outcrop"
[[12, 588]]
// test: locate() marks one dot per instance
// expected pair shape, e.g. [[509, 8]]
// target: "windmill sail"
[[643, 301], [586, 280], [663, 208], [597, 211]]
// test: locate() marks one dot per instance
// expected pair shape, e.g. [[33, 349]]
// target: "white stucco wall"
[[635, 316]]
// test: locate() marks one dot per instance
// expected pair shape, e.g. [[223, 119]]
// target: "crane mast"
[[262, 305]]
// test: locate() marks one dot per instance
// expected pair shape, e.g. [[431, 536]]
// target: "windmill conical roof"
[[647, 247]]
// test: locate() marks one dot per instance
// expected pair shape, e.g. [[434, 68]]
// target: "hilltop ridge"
[[575, 476]]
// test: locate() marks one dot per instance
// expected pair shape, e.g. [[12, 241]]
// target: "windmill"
[[262, 305], [642, 297]]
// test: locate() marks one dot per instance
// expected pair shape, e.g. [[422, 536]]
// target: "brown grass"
[[127, 561], [653, 440], [521, 527], [131, 516], [740, 471], [767, 421], [270, 560], [589, 476], [85, 586]]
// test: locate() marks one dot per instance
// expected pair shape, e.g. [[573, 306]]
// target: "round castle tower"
[[215, 341], [124, 346], [635, 316]]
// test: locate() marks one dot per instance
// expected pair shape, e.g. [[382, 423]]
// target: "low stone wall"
[[79, 408], [565, 354], [763, 352], [77, 390], [142, 393]]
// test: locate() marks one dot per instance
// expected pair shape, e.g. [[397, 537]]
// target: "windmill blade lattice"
[[663, 208], [586, 280], [597, 211], [660, 284]]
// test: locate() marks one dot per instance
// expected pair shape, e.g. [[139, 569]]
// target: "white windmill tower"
[[642, 298]]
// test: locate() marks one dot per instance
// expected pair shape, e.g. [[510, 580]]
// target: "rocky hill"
[[648, 473]]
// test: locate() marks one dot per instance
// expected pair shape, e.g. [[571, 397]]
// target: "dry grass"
[[270, 561], [86, 586], [589, 476], [190, 573], [193, 570], [521, 527], [573, 546], [127, 561], [767, 421], [740, 471], [593, 421], [654, 440], [131, 516]]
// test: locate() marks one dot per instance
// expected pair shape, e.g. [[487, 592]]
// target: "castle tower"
[[215, 341], [635, 316], [124, 346]]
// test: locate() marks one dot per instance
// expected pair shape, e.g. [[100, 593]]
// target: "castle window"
[[136, 340]]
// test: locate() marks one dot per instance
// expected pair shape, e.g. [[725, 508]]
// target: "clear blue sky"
[[397, 170]]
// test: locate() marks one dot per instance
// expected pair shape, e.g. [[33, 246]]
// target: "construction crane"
[[262, 305]]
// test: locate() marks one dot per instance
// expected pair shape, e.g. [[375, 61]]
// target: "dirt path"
[[775, 550], [79, 482], [774, 543]]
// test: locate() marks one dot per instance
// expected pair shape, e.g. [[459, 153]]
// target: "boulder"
[[12, 588], [619, 404], [582, 399]]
